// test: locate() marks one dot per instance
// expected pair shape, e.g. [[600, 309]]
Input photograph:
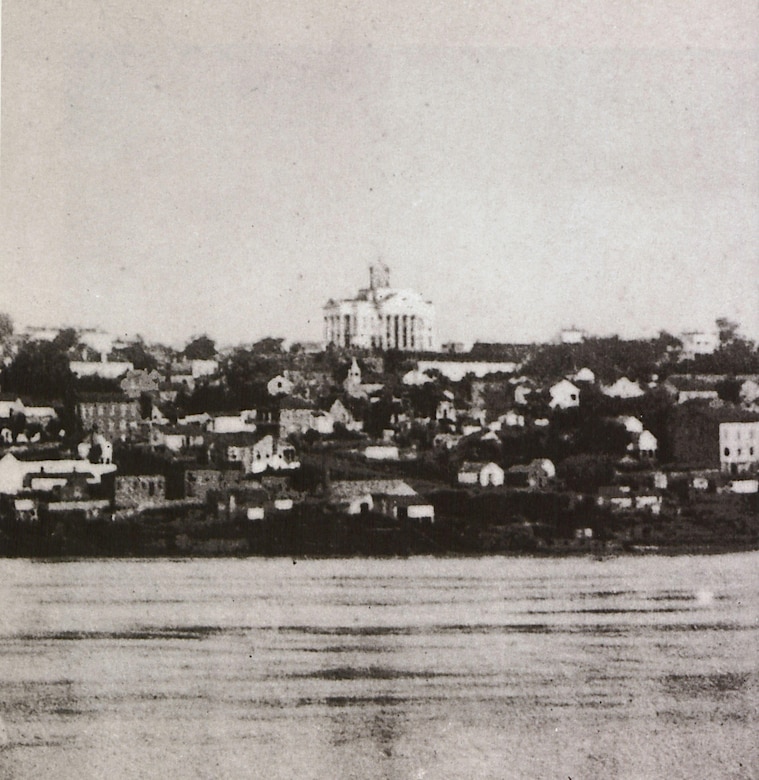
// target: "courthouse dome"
[[381, 317]]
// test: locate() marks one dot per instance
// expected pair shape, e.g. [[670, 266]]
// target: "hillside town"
[[377, 441]]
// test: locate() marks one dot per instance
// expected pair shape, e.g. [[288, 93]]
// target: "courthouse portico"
[[381, 317]]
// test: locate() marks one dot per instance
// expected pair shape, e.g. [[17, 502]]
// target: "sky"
[[176, 167]]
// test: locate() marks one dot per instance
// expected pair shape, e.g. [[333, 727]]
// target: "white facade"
[[381, 317], [699, 343], [623, 388], [739, 446], [485, 474], [105, 369], [564, 395]]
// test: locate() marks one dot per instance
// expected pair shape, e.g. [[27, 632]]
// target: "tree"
[[6, 327], [729, 389], [137, 354], [268, 346], [728, 330], [200, 348], [40, 370], [586, 473], [66, 339]]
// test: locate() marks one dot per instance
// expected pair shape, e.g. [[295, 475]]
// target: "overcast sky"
[[177, 167]]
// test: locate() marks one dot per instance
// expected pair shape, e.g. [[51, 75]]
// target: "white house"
[[564, 395], [279, 385], [623, 388], [200, 368], [381, 452], [749, 392], [416, 378], [648, 445], [484, 474], [739, 446], [743, 486], [10, 405], [584, 375], [699, 343], [632, 424], [13, 472], [231, 423]]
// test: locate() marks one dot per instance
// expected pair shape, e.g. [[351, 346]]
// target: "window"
[[727, 452]]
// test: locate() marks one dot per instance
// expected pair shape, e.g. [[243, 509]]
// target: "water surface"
[[363, 668]]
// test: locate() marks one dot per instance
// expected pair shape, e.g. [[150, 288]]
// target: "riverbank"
[[313, 530]]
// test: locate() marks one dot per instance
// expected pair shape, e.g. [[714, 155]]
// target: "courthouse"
[[381, 317]]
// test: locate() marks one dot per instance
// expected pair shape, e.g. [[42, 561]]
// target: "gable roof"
[[348, 489]]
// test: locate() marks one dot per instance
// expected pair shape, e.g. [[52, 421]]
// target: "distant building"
[[623, 388], [572, 336], [456, 370], [381, 317], [484, 474], [140, 490], [564, 395], [105, 368], [739, 446], [699, 342], [111, 414]]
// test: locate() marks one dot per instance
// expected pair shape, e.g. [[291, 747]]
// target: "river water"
[[629, 667]]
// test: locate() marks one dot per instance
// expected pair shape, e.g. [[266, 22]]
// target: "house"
[[228, 422], [340, 414], [446, 411], [698, 343], [357, 496], [199, 482], [104, 368], [749, 392], [254, 452], [17, 474], [202, 368], [697, 395], [381, 452], [564, 395], [416, 378], [584, 375], [141, 382], [296, 415], [279, 385], [26, 510], [535, 475], [405, 507], [624, 498], [511, 419], [139, 491], [176, 438], [623, 388], [39, 414], [648, 445], [739, 446], [541, 472], [632, 424], [484, 474], [445, 441], [113, 415], [10, 404], [572, 335], [744, 486]]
